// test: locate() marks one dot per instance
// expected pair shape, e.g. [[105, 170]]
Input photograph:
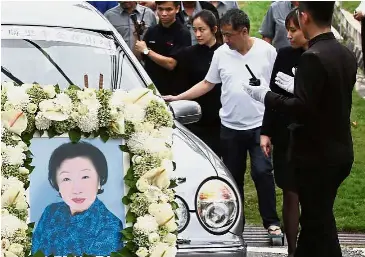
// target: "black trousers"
[[236, 144], [317, 187]]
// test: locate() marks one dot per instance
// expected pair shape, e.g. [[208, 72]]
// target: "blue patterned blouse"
[[95, 231]]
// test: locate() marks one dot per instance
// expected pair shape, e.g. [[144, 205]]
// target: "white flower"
[[136, 159], [32, 108], [142, 184], [167, 165], [170, 239], [153, 194], [41, 122], [171, 225], [10, 224], [158, 177], [50, 91], [134, 113], [159, 250], [153, 238], [23, 171], [144, 127], [170, 252], [14, 120], [52, 111], [162, 212], [10, 254], [8, 106], [82, 109], [65, 102], [6, 84], [16, 249], [16, 138], [13, 155], [146, 223], [13, 193], [17, 96], [5, 243], [22, 146], [89, 122], [26, 87], [142, 252]]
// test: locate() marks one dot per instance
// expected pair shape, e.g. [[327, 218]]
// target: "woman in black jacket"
[[194, 62], [275, 127]]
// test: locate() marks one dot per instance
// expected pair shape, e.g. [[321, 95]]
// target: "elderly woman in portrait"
[[80, 223]]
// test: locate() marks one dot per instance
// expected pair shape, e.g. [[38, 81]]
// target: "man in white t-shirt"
[[241, 116]]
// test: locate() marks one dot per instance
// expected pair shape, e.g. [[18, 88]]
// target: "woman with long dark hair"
[[194, 62]]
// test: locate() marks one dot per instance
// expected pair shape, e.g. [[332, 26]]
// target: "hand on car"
[[140, 46], [285, 82], [170, 98], [265, 143]]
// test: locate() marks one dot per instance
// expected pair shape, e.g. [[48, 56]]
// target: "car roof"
[[68, 14]]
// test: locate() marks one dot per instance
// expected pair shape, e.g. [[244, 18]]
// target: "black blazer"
[[321, 103], [275, 123]]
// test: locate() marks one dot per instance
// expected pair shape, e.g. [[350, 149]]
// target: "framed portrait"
[[75, 196]]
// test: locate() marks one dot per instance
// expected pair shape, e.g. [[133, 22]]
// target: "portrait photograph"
[[76, 192]]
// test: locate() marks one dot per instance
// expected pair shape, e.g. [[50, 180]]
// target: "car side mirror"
[[186, 112]]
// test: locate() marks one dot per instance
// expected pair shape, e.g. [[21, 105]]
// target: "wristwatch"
[[146, 51]]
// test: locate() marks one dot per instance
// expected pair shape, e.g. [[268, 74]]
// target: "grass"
[[350, 202], [350, 6]]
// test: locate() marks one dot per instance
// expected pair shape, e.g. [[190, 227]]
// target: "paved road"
[[268, 252]]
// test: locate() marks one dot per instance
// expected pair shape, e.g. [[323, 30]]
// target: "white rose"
[[170, 239], [170, 252], [8, 106], [22, 145], [159, 250], [17, 249], [142, 252], [10, 254], [171, 226], [142, 184], [162, 212], [81, 95], [136, 159], [23, 171], [146, 223], [153, 238], [5, 243], [32, 108], [50, 91]]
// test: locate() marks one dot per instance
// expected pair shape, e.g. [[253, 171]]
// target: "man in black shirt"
[[160, 46], [321, 143]]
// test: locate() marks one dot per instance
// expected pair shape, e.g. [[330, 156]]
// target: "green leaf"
[[130, 217], [125, 252], [41, 132], [38, 254], [124, 148], [28, 153], [127, 234], [26, 137], [129, 178], [173, 183], [31, 225], [131, 246], [87, 135], [153, 88], [181, 180], [115, 254], [51, 132], [174, 205], [57, 89], [126, 200], [74, 135], [74, 87], [104, 134], [96, 134]]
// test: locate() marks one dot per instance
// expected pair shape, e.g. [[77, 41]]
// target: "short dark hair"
[[236, 18], [72, 150], [321, 11], [207, 17], [176, 3], [292, 16]]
